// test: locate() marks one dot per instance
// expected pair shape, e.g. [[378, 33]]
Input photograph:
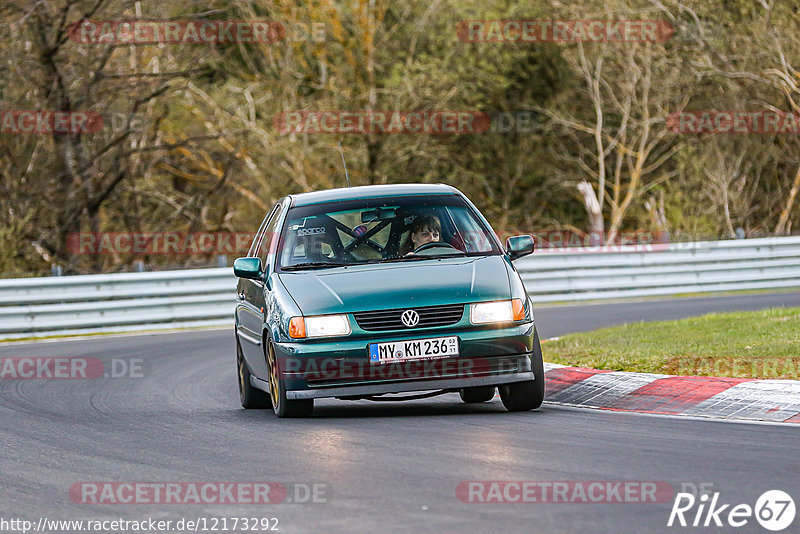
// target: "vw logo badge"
[[410, 318]]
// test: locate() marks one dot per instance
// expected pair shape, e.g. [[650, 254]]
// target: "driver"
[[425, 229]]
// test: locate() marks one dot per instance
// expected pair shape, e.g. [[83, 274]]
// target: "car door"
[[251, 301]]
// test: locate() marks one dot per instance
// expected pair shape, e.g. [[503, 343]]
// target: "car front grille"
[[428, 316]]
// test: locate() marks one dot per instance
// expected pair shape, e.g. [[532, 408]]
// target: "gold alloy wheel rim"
[[273, 376]]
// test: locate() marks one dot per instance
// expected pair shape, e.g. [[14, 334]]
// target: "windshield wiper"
[[418, 257], [313, 265]]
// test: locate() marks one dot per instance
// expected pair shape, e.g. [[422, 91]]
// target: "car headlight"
[[504, 311], [319, 326]]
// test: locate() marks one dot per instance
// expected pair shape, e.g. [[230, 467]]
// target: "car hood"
[[399, 285]]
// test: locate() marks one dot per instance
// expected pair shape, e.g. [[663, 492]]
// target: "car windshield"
[[382, 230]]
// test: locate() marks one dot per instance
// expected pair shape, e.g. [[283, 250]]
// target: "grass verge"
[[758, 344]]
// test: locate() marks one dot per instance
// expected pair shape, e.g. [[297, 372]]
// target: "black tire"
[[477, 394], [250, 397], [282, 406], [528, 395]]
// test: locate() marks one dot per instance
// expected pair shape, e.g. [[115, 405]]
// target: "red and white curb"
[[697, 396]]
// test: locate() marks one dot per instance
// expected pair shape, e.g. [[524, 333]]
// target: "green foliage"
[[210, 157]]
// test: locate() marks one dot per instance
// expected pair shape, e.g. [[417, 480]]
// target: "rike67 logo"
[[774, 510]]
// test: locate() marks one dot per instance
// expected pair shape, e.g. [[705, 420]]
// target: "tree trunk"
[[373, 151], [784, 218], [593, 211]]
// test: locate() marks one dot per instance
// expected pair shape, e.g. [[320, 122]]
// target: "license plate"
[[417, 349]]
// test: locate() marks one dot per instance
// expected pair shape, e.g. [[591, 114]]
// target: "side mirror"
[[248, 268], [519, 245]]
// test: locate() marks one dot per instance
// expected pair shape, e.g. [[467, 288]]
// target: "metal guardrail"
[[768, 263], [36, 307]]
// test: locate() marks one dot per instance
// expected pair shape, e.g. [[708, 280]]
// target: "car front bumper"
[[341, 368]]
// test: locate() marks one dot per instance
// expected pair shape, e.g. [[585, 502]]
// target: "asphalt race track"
[[556, 321], [385, 467]]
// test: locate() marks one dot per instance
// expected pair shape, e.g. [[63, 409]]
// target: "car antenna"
[[345, 164]]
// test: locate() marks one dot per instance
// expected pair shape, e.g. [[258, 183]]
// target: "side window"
[[254, 246], [269, 239], [471, 237]]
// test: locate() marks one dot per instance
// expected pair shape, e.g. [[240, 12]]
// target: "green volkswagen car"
[[388, 292]]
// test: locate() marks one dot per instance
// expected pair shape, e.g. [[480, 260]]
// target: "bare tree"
[[621, 147]]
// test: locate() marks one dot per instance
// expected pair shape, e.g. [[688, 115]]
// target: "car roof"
[[371, 191]]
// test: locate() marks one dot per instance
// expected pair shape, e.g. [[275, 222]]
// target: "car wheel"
[[249, 396], [477, 394], [528, 395], [282, 406]]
